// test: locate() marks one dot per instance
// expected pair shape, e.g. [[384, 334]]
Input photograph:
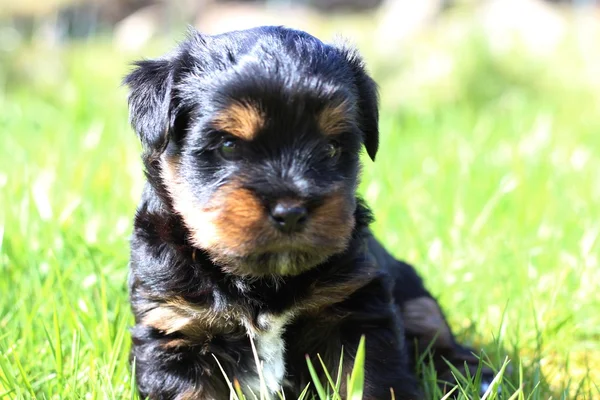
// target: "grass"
[[487, 179]]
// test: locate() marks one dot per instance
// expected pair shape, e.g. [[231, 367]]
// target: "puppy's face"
[[254, 137]]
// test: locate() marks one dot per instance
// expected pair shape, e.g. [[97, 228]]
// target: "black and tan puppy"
[[250, 225]]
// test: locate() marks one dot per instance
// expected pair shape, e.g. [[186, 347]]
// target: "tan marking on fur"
[[167, 319], [242, 220], [195, 322], [229, 223], [243, 120], [175, 343], [191, 394], [423, 317], [325, 295], [335, 119], [197, 220], [333, 219]]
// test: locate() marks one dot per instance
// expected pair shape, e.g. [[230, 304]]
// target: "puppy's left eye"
[[333, 150], [229, 149]]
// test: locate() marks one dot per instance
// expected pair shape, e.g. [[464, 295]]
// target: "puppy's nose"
[[289, 217]]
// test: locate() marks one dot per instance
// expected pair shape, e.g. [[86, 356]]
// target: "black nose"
[[289, 217]]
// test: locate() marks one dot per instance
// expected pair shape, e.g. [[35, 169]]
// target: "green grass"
[[487, 179]]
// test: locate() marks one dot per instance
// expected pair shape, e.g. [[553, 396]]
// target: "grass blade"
[[304, 392], [338, 381], [231, 389], [492, 390], [336, 395], [357, 378], [315, 378]]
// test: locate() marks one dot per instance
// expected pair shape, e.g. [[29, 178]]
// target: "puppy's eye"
[[333, 150], [229, 149]]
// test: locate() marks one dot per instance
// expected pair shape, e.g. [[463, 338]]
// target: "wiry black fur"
[[170, 101]]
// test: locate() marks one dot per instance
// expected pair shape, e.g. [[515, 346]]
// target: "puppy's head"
[[255, 136]]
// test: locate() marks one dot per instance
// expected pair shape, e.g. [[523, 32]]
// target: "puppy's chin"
[[284, 263]]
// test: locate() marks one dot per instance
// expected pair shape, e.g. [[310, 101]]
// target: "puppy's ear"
[[368, 100], [149, 102]]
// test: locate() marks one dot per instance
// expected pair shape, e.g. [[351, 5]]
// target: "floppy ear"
[[368, 101], [149, 102]]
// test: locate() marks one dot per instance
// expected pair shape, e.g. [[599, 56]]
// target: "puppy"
[[249, 226]]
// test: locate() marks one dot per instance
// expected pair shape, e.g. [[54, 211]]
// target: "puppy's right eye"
[[229, 149]]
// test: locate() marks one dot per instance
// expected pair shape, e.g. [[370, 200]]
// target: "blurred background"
[[488, 176]]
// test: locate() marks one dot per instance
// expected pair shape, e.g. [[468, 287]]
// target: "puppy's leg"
[[369, 312], [169, 369], [387, 365], [424, 322]]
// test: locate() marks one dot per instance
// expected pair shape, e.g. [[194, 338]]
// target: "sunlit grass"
[[491, 188]]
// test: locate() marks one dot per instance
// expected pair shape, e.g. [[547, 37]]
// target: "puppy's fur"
[[233, 126]]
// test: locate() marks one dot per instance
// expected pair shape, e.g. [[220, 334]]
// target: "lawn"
[[488, 179]]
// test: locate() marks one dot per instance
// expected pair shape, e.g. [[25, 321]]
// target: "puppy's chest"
[[267, 335]]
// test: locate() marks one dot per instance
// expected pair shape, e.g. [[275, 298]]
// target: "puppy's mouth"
[[276, 245], [262, 249]]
